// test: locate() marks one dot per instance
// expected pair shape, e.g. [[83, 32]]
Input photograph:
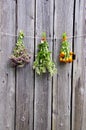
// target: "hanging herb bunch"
[[20, 55], [66, 55], [43, 62]]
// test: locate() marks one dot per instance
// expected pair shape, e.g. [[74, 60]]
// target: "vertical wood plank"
[[25, 77], [63, 22], [78, 69], [84, 45], [7, 73], [43, 83]]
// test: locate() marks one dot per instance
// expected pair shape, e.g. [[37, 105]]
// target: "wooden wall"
[[32, 102]]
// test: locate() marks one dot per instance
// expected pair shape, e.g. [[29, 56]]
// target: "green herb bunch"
[[43, 62], [20, 55]]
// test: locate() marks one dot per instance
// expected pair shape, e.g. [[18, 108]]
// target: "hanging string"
[[38, 37]]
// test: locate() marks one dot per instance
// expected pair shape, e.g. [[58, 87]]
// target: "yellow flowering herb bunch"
[[66, 56]]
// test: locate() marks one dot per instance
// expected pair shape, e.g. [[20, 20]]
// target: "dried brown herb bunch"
[[20, 56]]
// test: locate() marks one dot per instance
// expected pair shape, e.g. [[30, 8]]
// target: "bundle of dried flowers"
[[20, 56]]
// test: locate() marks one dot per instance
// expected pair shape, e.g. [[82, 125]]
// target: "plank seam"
[[16, 24], [34, 60], [71, 100], [53, 57]]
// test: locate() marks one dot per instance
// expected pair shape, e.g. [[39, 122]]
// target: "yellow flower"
[[62, 54], [70, 59], [61, 59], [67, 59], [71, 53], [64, 38]]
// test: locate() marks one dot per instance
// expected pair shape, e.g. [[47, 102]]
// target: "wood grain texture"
[[43, 83], [32, 102], [63, 22], [84, 46], [24, 76], [78, 69], [7, 73]]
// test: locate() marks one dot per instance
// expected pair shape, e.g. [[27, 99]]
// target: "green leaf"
[[43, 62]]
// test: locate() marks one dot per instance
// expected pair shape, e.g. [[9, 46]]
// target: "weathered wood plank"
[[43, 83], [63, 22], [84, 46], [25, 77], [78, 69], [7, 73]]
